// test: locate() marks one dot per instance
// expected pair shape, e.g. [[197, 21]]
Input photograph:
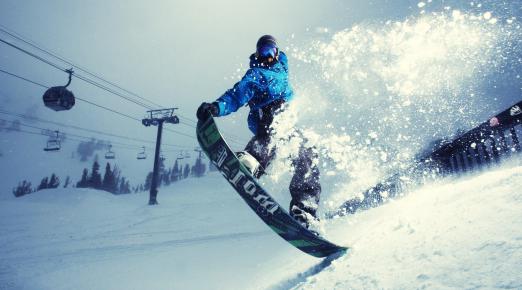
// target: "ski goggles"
[[267, 51]]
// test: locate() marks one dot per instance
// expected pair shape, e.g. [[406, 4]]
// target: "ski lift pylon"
[[59, 98]]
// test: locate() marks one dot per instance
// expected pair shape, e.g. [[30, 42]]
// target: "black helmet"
[[267, 46]]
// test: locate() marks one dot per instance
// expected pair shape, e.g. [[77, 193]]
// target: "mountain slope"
[[457, 233], [462, 233]]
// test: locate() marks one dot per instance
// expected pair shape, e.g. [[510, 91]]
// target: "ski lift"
[[59, 98], [110, 154], [53, 144], [142, 155]]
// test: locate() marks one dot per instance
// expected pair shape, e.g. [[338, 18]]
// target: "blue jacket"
[[260, 87]]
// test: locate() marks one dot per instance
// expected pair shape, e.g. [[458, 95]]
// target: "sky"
[[175, 53], [396, 59]]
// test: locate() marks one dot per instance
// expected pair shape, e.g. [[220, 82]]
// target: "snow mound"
[[453, 234]]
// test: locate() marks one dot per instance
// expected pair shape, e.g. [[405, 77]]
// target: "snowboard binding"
[[251, 163], [305, 218]]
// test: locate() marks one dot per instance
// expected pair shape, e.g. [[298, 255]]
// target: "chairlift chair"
[[142, 155], [53, 144], [110, 154]]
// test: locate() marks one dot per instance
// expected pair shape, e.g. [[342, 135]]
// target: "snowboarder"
[[266, 90]]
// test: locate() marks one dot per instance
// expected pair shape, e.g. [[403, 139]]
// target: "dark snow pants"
[[305, 188]]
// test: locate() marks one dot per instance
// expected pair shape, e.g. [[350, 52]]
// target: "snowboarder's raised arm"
[[239, 95], [233, 98]]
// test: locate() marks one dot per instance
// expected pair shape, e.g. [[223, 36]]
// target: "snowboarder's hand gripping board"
[[256, 197]]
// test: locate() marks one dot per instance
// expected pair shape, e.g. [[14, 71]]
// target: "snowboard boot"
[[251, 163], [305, 216]]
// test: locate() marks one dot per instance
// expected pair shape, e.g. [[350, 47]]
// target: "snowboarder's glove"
[[207, 108]]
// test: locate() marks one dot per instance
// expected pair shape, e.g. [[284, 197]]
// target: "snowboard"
[[226, 161]]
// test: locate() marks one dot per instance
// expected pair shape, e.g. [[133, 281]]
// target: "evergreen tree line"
[[175, 173], [112, 181], [25, 187]]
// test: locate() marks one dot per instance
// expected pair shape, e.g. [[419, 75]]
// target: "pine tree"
[[186, 171], [54, 182], [127, 187], [161, 164], [163, 179], [148, 181], [121, 187], [95, 181], [199, 168], [166, 177], [84, 182], [43, 184], [107, 178], [111, 179], [23, 188], [67, 181], [124, 187], [174, 174]]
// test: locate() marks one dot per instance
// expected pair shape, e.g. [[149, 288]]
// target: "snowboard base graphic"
[[220, 154]]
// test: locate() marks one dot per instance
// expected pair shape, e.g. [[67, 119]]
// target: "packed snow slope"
[[456, 233]]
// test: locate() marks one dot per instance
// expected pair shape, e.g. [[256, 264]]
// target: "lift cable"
[[80, 99], [39, 47], [69, 62], [97, 105], [79, 141], [77, 75], [22, 78], [33, 118], [90, 82], [86, 138]]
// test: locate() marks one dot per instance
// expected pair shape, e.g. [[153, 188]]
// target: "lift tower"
[[157, 118]]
